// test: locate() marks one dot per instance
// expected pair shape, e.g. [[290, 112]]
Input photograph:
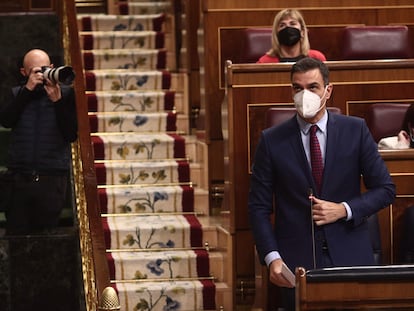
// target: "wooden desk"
[[358, 288]]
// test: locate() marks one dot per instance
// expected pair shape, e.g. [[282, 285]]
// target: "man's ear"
[[329, 91], [23, 73]]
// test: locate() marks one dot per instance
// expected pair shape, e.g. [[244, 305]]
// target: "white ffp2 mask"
[[307, 103]]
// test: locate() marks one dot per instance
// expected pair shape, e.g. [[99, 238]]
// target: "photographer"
[[42, 116]]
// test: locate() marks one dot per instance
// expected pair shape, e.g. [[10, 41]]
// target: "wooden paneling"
[[248, 4], [325, 38], [215, 19], [221, 15]]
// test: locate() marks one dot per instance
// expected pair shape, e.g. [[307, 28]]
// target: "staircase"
[[164, 250]]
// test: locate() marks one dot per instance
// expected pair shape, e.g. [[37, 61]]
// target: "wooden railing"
[[192, 23], [94, 263]]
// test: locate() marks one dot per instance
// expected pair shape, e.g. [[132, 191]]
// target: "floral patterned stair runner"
[[131, 122], [152, 231], [150, 199], [143, 7], [125, 22], [154, 239], [161, 296], [133, 265], [136, 146], [95, 40], [125, 79], [125, 59], [117, 100], [142, 172]]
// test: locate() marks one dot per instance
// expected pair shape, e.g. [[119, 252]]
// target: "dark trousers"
[[36, 203]]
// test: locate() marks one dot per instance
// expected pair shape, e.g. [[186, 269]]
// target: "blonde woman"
[[290, 40]]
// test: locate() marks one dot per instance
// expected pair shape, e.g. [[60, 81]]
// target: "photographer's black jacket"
[[41, 130]]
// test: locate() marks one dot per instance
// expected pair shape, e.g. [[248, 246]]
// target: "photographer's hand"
[[53, 90], [35, 78]]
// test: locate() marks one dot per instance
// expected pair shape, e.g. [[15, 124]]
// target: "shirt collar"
[[305, 126]]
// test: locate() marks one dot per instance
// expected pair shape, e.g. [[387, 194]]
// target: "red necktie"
[[316, 158]]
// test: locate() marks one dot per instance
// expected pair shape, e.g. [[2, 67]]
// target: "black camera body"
[[63, 74]]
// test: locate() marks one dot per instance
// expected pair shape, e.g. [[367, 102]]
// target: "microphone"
[[310, 193]]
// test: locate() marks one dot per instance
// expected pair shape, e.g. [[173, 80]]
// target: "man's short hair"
[[308, 63]]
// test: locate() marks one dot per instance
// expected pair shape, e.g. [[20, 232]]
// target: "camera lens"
[[63, 74]]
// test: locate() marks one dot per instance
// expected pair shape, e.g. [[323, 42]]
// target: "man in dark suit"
[[319, 221]]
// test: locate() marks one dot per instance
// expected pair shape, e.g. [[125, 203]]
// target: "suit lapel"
[[331, 149], [299, 152]]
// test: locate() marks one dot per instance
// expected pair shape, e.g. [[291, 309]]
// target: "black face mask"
[[289, 36]]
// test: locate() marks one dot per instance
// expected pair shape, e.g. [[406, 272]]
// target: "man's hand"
[[275, 274], [35, 78], [403, 140], [325, 212], [53, 90]]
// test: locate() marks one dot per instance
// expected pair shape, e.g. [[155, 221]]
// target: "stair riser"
[[158, 265], [149, 22], [132, 122], [184, 295], [146, 200], [152, 232], [142, 173]]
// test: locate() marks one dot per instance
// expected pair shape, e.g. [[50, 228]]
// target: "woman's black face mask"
[[288, 36]]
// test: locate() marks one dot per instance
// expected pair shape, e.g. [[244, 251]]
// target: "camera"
[[63, 74]]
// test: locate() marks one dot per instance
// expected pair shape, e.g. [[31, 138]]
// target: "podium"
[[364, 287]]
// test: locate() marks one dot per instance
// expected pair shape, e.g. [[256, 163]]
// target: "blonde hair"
[[304, 41]]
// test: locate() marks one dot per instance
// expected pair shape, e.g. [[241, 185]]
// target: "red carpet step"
[[144, 172], [136, 146], [116, 122], [153, 265], [125, 59], [127, 80], [148, 101], [137, 22], [154, 7], [93, 40], [151, 199], [161, 296], [153, 232]]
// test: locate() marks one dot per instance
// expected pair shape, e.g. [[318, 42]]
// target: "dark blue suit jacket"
[[281, 173]]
